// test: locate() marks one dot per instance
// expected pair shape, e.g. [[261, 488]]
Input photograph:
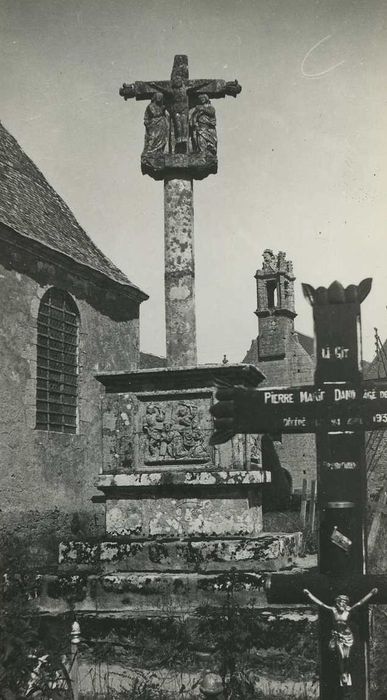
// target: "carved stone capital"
[[194, 166]]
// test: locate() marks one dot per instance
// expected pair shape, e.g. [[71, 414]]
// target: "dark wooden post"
[[342, 491], [338, 408]]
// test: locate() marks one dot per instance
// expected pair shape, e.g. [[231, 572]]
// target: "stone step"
[[137, 594], [266, 552], [142, 481]]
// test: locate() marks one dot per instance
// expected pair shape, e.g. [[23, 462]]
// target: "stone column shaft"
[[179, 278]]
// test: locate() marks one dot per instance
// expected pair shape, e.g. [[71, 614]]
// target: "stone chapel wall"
[[48, 477]]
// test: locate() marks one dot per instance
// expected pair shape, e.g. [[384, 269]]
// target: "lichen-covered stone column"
[[180, 320]]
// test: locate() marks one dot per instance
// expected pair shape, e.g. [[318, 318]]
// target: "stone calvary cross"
[[338, 408], [180, 146]]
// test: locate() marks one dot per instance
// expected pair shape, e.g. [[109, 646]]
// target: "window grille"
[[57, 363]]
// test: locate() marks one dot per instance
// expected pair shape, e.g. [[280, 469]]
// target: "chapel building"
[[67, 313]]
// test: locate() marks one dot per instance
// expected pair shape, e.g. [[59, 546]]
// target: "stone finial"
[[276, 263], [281, 261], [269, 261]]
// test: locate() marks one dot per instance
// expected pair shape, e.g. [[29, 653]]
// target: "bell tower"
[[275, 305]]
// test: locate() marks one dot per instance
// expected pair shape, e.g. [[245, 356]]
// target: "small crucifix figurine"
[[341, 639]]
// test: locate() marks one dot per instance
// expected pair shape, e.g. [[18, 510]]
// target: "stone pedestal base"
[[129, 578], [265, 553], [180, 514], [184, 503]]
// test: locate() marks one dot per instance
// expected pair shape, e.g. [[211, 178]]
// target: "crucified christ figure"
[[341, 640]]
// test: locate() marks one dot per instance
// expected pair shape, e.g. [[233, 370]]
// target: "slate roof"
[[307, 343], [32, 208]]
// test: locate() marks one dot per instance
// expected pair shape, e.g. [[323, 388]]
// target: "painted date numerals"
[[380, 418]]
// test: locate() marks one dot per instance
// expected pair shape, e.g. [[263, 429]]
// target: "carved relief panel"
[[175, 431], [148, 431]]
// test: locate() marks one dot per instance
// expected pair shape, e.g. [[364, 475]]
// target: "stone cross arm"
[[213, 87]]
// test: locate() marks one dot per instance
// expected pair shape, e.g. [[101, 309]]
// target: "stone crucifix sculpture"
[[180, 146], [174, 101]]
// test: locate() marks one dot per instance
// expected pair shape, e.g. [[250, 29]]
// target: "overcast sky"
[[302, 150]]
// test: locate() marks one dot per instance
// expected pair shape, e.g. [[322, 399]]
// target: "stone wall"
[[297, 453], [47, 478]]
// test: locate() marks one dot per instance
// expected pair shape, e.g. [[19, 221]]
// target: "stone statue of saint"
[[156, 125], [341, 640], [203, 126]]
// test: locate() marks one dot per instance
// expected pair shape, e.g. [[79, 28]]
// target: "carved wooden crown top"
[[336, 294]]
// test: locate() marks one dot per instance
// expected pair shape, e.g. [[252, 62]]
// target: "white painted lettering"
[[307, 396], [274, 398], [369, 394], [380, 418], [345, 394], [294, 422], [335, 466], [341, 353]]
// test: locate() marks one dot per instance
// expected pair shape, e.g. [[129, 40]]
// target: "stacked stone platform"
[[128, 577], [180, 513]]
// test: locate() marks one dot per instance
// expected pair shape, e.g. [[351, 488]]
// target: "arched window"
[[57, 363], [272, 294]]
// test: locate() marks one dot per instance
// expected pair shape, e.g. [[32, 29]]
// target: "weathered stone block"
[[195, 166], [162, 479], [266, 552], [150, 480], [160, 418], [139, 594], [183, 517]]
